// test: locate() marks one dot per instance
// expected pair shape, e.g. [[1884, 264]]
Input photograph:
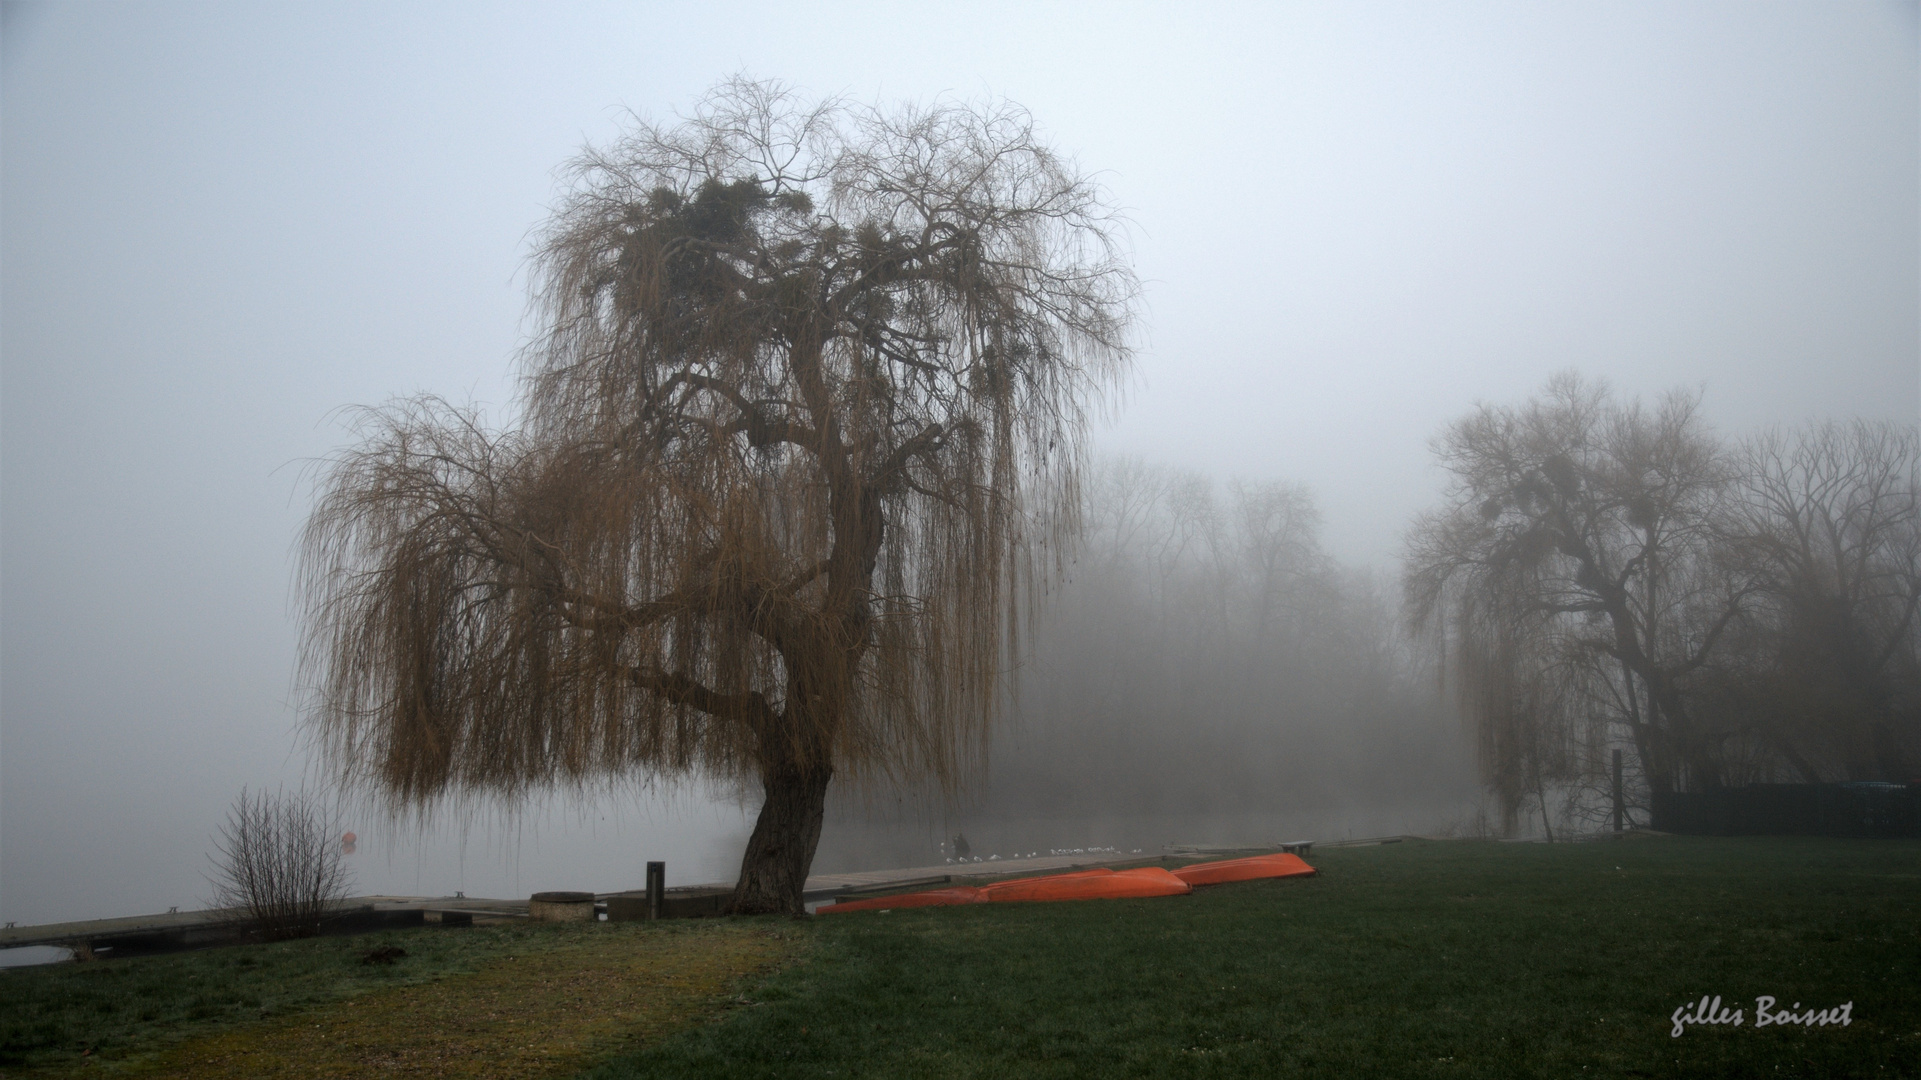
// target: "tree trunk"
[[1653, 771], [774, 870], [1801, 766]]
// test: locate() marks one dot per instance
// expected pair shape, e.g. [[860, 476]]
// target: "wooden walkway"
[[189, 926]]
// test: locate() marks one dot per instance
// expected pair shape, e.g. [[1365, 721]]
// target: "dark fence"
[[1858, 809]]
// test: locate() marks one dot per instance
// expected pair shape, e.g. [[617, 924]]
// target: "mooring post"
[[656, 888], [1617, 791]]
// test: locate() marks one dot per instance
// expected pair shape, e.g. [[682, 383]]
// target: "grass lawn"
[[1441, 959], [520, 1000]]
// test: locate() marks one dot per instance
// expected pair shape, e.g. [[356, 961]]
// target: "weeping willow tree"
[[798, 446]]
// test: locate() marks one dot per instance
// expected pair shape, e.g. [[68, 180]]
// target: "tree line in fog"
[[1209, 673], [1606, 574], [1600, 575]]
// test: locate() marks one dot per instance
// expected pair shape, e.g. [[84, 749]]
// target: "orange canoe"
[[1251, 869], [1072, 875], [1090, 885], [959, 894]]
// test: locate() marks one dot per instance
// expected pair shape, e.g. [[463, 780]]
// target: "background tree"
[[800, 439], [1578, 536], [1829, 527]]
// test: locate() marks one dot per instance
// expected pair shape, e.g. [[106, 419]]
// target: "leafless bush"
[[279, 862]]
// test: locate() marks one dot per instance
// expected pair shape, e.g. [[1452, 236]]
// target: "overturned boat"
[[1097, 884]]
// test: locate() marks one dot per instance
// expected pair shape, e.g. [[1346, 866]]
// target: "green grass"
[[1444, 959], [114, 1009], [111, 1006]]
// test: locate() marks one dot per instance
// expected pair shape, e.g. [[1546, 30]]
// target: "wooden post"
[[1617, 791], [656, 888]]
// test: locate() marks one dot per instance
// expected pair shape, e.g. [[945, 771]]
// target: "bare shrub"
[[279, 862]]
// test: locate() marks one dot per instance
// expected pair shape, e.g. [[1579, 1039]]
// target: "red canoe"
[[1098, 884], [1071, 875], [1090, 885], [1251, 869]]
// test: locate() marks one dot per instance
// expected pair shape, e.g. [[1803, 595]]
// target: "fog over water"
[[220, 224]]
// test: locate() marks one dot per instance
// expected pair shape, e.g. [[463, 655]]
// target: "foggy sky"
[[220, 224]]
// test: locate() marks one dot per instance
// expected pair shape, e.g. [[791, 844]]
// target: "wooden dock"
[[168, 931]]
